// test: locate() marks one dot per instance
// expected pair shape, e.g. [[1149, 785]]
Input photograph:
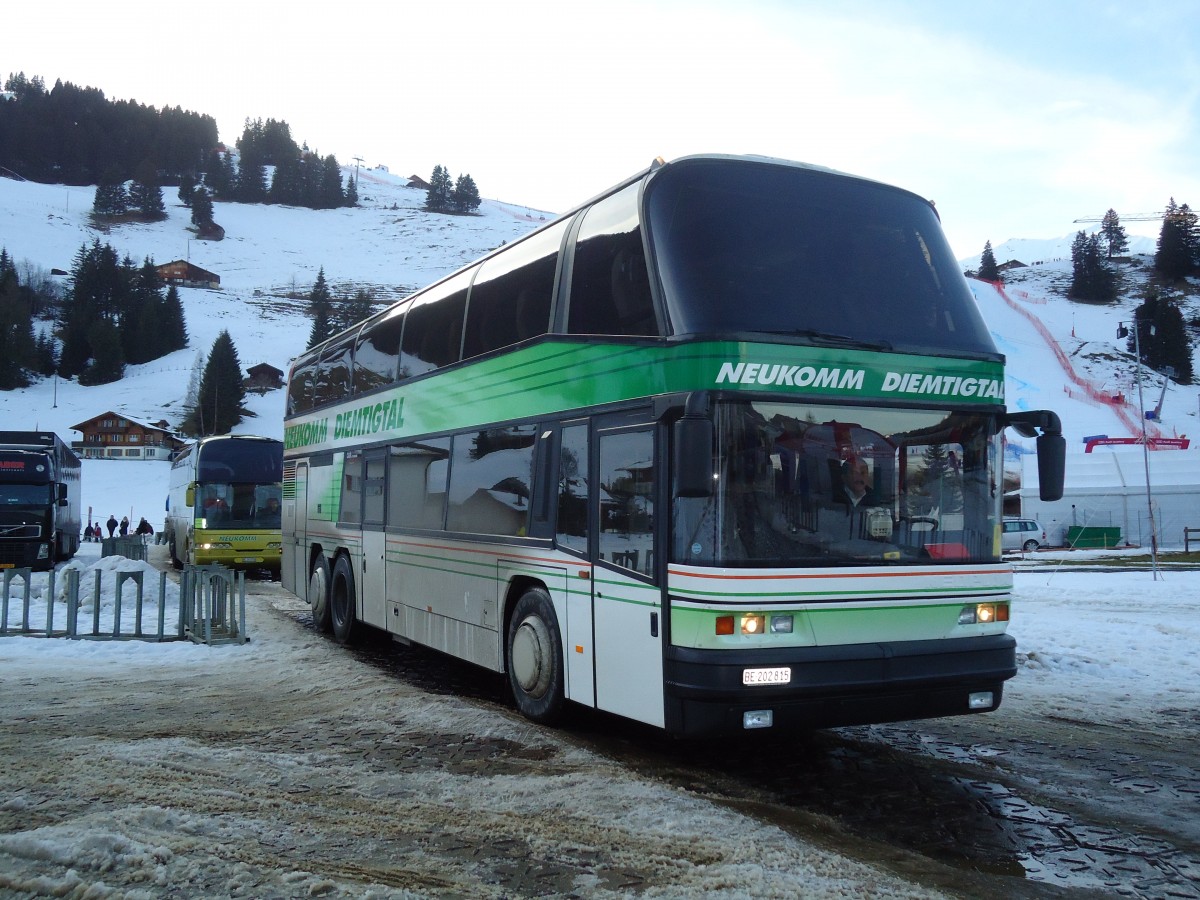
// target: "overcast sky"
[[1016, 118]]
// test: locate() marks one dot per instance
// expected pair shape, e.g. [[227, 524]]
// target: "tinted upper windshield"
[[804, 485], [746, 246]]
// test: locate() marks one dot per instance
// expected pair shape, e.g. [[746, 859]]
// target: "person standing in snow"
[[112, 525], [124, 526], [144, 530]]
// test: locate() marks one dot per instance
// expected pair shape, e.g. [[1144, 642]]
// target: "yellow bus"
[[224, 503]]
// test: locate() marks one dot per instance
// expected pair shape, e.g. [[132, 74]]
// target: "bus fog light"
[[781, 624], [759, 718], [754, 624], [980, 700]]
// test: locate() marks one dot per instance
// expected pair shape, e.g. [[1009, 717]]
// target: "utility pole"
[[1137, 349]]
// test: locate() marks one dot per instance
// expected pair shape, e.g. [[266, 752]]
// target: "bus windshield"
[[238, 484], [805, 485], [796, 251]]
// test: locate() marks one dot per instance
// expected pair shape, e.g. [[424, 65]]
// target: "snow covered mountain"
[[1062, 355]]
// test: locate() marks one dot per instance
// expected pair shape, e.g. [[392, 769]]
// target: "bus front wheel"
[[342, 607], [318, 594], [535, 660]]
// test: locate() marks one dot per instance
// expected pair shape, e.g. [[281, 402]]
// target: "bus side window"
[[333, 375], [352, 484], [571, 530], [510, 299], [433, 326], [376, 356], [416, 483], [300, 388], [610, 286]]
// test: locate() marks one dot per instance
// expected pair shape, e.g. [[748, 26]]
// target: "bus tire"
[[318, 594], [534, 660], [176, 562], [342, 607]]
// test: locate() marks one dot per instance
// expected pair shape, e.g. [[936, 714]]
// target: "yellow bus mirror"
[[191, 495]]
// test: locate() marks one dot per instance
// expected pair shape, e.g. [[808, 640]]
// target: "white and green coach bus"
[[720, 449]]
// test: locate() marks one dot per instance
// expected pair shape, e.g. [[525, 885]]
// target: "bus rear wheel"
[[535, 660], [342, 607], [318, 594]]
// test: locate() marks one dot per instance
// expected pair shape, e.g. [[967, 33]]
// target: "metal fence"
[[211, 607]]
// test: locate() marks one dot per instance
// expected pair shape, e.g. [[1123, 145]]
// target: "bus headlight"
[[782, 624], [754, 624], [983, 614]]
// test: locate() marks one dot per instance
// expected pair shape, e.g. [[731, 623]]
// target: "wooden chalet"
[[263, 378], [185, 274], [113, 435]]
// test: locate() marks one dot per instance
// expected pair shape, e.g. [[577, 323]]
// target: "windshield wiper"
[[832, 339]]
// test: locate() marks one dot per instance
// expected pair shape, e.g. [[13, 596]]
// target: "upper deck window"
[[780, 249], [610, 289]]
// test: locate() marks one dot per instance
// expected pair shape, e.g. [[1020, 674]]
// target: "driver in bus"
[[268, 513], [855, 511]]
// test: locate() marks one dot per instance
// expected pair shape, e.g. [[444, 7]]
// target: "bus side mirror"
[[1051, 448], [693, 456], [1052, 464], [190, 497]]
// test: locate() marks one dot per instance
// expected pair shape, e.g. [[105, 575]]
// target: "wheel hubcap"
[[530, 649]]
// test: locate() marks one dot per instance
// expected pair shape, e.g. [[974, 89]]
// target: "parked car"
[[1022, 534]]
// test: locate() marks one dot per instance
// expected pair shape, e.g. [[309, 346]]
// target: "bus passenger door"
[[373, 583], [294, 572], [626, 598]]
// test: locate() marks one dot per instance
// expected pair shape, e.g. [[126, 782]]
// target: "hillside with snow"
[[1062, 355]]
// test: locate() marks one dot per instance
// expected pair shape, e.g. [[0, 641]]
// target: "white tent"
[[1107, 489]]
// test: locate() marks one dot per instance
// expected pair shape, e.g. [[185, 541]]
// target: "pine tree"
[[108, 360], [202, 208], [329, 194], [465, 197], [96, 292], [187, 185], [145, 193], [351, 191], [437, 198], [1091, 279], [354, 309], [18, 349], [111, 199], [988, 270], [1178, 250], [320, 307], [142, 323], [222, 391], [1162, 336], [175, 335], [1115, 239], [219, 175]]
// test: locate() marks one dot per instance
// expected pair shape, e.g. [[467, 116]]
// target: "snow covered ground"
[[287, 767]]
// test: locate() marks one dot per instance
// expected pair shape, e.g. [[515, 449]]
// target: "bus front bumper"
[[835, 686]]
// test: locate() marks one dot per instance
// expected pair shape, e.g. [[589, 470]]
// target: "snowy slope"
[[271, 255]]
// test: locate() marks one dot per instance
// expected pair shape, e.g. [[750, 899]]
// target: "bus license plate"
[[778, 675]]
